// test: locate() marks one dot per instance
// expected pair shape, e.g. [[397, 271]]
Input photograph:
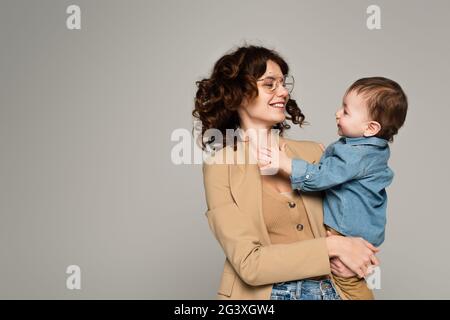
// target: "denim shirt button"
[[307, 176]]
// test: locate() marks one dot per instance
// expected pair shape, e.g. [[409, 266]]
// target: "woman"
[[273, 238]]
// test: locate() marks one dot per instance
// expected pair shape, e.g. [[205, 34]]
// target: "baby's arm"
[[341, 165]]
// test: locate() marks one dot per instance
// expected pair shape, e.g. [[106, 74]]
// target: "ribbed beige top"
[[285, 216]]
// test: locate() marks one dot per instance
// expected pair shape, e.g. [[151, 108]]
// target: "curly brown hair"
[[233, 79]]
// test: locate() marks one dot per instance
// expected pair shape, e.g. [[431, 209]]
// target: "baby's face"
[[352, 118]]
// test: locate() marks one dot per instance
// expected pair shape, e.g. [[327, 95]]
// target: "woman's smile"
[[278, 105]]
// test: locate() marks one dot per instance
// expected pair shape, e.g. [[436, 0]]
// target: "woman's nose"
[[282, 91]]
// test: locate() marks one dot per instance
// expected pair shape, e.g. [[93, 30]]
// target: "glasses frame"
[[278, 82]]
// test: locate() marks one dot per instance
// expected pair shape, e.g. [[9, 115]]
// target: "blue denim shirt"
[[354, 173]]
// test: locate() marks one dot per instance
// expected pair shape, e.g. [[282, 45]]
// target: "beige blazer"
[[252, 265]]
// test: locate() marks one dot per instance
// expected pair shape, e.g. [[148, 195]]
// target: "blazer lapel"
[[246, 189]]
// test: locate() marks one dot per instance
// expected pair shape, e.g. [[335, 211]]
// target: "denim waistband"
[[307, 282], [306, 289]]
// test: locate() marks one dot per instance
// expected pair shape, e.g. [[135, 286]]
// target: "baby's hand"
[[274, 158]]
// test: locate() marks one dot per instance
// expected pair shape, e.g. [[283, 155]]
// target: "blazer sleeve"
[[255, 263]]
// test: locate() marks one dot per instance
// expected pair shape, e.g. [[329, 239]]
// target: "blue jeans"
[[304, 290]]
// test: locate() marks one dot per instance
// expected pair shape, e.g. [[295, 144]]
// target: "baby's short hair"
[[386, 101]]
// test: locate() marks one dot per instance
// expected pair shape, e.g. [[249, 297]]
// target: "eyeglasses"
[[270, 84]]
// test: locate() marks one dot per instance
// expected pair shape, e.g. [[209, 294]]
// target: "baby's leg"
[[353, 288]]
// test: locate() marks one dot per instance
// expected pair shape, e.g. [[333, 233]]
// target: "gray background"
[[86, 176]]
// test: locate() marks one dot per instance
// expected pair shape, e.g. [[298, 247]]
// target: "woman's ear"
[[373, 127], [245, 101]]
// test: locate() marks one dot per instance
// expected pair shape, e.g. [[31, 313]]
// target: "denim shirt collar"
[[365, 140]]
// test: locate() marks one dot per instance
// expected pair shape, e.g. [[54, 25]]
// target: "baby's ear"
[[372, 129]]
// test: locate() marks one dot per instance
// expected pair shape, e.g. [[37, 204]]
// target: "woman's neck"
[[261, 133]]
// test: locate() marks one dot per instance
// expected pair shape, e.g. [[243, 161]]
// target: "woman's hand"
[[338, 268], [356, 253]]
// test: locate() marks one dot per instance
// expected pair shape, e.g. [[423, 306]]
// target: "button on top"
[[292, 204], [299, 227], [307, 176]]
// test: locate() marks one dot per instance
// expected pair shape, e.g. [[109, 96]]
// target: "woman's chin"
[[272, 120], [278, 118]]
